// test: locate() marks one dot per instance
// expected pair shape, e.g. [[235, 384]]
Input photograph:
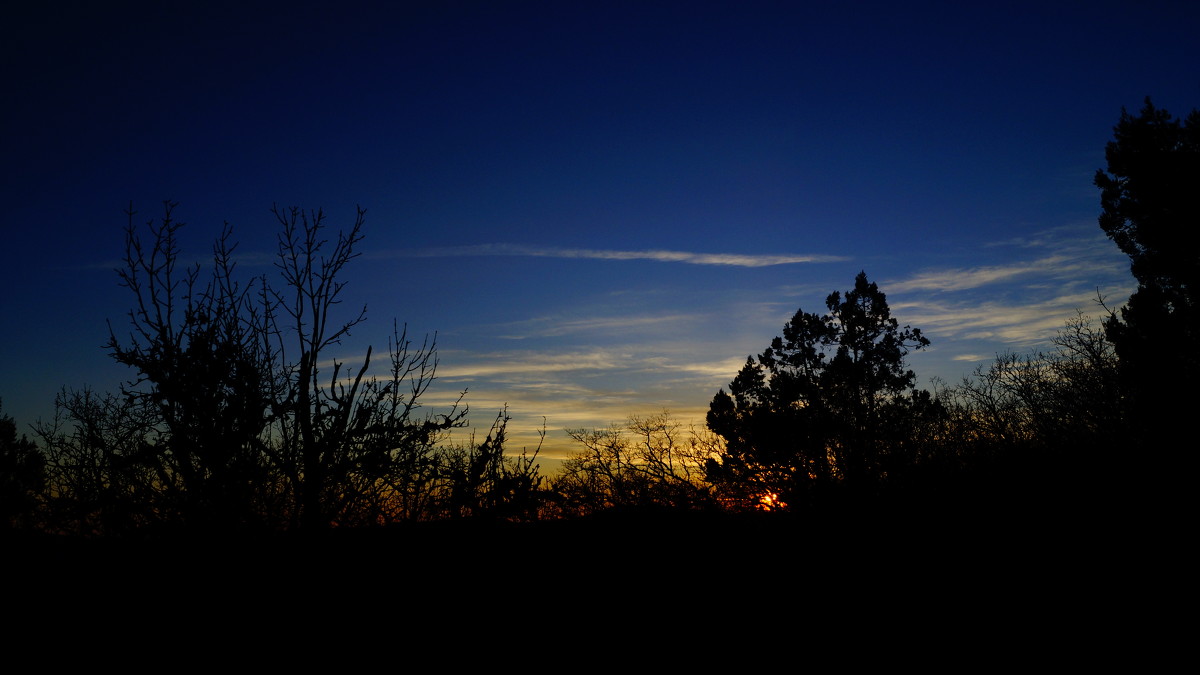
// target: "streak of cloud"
[[524, 364], [554, 327], [560, 405], [1021, 303], [963, 279], [688, 257], [1018, 324], [1069, 255]]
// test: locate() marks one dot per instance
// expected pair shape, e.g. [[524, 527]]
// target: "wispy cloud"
[[580, 388], [1019, 304], [656, 255], [721, 369], [538, 366], [963, 279], [530, 364], [554, 327], [1074, 236], [1017, 324], [1070, 254], [260, 259], [623, 357]]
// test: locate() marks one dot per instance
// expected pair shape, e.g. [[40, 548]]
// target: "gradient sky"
[[601, 208]]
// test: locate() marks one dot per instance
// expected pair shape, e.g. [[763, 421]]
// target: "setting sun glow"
[[770, 502]]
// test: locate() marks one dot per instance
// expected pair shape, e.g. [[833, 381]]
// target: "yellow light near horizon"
[[770, 502]]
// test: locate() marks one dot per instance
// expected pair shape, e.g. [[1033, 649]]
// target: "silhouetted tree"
[[647, 461], [1045, 428], [22, 476], [238, 415], [195, 349], [1151, 211], [104, 466], [829, 401], [1068, 397], [479, 481], [340, 437]]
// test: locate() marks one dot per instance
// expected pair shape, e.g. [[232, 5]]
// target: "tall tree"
[[1152, 212], [239, 414], [827, 402], [198, 371], [22, 476], [340, 436]]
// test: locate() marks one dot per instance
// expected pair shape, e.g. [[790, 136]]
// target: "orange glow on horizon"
[[770, 502]]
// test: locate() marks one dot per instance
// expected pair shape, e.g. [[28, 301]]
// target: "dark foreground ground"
[[993, 583], [691, 553], [983, 574]]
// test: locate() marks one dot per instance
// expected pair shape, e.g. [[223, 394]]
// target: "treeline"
[[108, 464], [239, 417], [828, 418], [209, 439]]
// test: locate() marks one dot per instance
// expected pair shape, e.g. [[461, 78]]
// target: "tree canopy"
[[22, 475], [1148, 197], [239, 416], [826, 402], [1151, 211]]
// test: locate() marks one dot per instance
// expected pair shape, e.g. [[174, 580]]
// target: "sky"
[[599, 208]]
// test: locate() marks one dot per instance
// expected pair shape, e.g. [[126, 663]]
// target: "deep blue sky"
[[601, 208]]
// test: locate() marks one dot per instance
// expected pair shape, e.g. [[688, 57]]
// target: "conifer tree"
[[826, 402]]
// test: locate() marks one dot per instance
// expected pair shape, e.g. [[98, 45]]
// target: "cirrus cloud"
[[655, 255]]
